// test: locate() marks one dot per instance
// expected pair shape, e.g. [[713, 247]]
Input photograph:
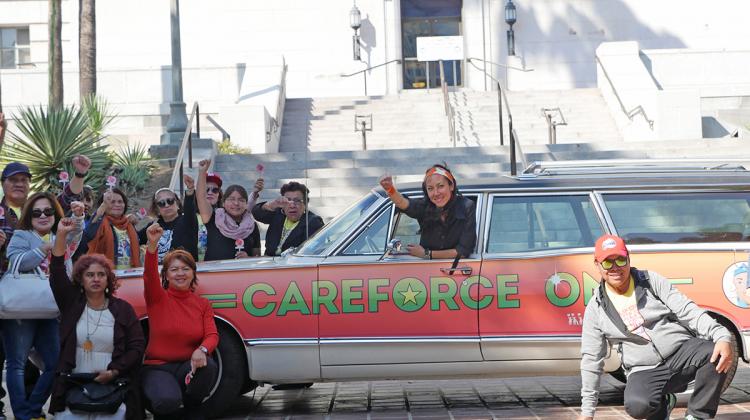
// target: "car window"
[[680, 218], [373, 239], [536, 223], [331, 232]]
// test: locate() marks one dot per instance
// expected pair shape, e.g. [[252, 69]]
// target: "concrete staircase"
[[587, 116], [416, 119], [410, 119], [338, 178]]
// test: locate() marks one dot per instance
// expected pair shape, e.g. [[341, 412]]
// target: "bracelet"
[[391, 190], [80, 175]]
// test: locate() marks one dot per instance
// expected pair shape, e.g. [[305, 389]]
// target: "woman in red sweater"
[[178, 372]]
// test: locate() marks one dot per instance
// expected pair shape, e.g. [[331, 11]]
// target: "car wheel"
[[619, 374], [231, 359]]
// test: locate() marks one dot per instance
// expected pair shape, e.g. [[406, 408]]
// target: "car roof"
[[610, 177]]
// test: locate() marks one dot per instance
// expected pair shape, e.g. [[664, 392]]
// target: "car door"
[[396, 311], [538, 265]]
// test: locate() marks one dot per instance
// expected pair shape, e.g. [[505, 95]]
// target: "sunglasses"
[[165, 203], [619, 261], [214, 190], [37, 213]]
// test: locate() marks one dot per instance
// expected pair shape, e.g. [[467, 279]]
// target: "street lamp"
[[355, 21], [510, 19]]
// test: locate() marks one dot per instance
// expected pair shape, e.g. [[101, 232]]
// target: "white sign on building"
[[435, 48]]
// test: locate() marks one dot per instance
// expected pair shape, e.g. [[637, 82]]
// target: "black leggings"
[[166, 392]]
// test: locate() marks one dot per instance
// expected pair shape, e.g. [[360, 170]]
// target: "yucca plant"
[[98, 114], [47, 142], [132, 165]]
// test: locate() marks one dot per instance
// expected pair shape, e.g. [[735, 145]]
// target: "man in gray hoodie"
[[663, 338]]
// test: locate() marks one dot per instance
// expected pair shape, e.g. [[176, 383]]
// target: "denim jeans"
[[19, 336]]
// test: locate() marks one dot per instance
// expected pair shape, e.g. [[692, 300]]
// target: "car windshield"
[[331, 232]]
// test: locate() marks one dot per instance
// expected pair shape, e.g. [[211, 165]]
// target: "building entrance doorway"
[[429, 18]]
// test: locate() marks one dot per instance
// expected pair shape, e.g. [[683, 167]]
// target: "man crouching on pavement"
[[656, 331]]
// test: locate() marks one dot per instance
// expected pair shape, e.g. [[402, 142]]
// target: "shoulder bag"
[[26, 296], [87, 395]]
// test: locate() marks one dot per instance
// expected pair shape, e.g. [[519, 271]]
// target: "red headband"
[[440, 171]]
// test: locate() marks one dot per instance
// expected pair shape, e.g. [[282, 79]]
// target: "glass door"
[[429, 18]]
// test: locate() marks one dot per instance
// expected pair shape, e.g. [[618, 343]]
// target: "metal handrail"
[[364, 71], [449, 112], [633, 112], [505, 66], [224, 134], [514, 142], [398, 60], [552, 124], [176, 181], [278, 121]]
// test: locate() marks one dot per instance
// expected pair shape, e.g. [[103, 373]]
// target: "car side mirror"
[[394, 246]]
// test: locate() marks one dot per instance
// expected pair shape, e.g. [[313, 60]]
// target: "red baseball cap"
[[213, 177], [609, 246]]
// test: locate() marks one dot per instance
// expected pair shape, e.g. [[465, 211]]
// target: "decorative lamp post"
[[510, 19], [177, 122], [355, 21]]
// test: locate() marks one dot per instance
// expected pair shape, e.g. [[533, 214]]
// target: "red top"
[[179, 321]]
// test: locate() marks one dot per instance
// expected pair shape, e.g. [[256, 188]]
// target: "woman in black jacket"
[[176, 218], [99, 333]]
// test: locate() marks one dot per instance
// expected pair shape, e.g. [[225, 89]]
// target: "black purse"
[[87, 395]]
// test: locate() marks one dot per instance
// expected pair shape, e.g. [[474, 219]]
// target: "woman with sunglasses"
[[112, 233], [232, 231], [214, 197], [447, 220], [28, 249], [179, 224]]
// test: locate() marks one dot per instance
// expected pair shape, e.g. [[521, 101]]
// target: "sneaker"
[[692, 417], [671, 402]]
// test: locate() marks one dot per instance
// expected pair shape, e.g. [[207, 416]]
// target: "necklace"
[[88, 345]]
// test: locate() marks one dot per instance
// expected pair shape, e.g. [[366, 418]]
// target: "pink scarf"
[[229, 228]]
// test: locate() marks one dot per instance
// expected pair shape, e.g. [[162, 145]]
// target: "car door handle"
[[464, 270]]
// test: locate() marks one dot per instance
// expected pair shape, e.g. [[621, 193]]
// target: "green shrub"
[[226, 147], [132, 166], [48, 141]]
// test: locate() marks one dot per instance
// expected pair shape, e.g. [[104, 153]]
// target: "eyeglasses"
[[214, 190], [165, 203], [37, 213], [619, 261], [297, 201], [236, 200]]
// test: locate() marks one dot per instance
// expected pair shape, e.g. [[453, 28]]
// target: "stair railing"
[[502, 97], [364, 71], [176, 182], [449, 111], [633, 112], [549, 115], [274, 126]]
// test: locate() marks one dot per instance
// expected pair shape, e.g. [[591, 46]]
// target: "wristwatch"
[[427, 254], [203, 349], [80, 175]]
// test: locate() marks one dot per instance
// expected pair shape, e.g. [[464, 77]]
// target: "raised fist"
[[82, 164], [154, 233]]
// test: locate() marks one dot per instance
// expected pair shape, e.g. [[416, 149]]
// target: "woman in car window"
[[446, 219]]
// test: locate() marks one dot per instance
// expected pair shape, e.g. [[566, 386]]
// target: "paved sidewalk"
[[517, 398], [521, 398]]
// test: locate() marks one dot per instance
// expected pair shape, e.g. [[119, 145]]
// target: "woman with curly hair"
[[99, 333]]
